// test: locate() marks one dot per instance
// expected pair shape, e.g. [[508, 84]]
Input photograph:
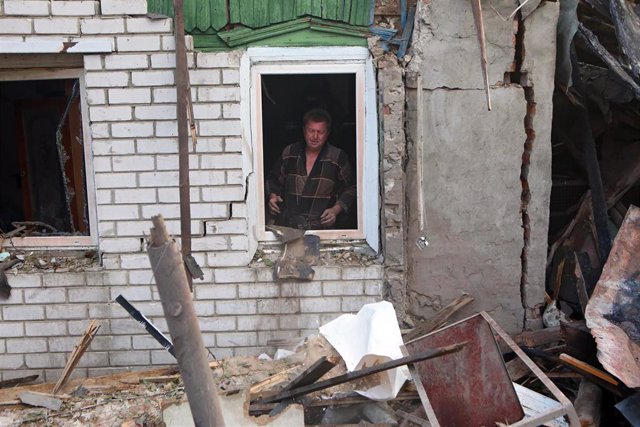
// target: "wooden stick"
[[77, 353], [585, 367], [439, 319]]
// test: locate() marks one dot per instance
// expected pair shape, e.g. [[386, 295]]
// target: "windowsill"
[[79, 243], [58, 260]]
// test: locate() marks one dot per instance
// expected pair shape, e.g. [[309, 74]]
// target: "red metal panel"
[[471, 387]]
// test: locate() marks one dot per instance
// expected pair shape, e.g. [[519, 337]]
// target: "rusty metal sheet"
[[471, 387], [613, 312]]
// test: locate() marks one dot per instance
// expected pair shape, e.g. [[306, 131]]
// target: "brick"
[[217, 324], [158, 179], [167, 162], [11, 361], [88, 294], [352, 273], [209, 144], [164, 95], [146, 25], [208, 178], [374, 272], [204, 308], [373, 287], [208, 210], [231, 111], [239, 243], [93, 358], [126, 62], [96, 96], [221, 161], [134, 261], [236, 307], [138, 43], [167, 145], [26, 8], [141, 277], [220, 127], [235, 177], [56, 26], [23, 313], [152, 78], [111, 342], [231, 193], [156, 112], [162, 357], [207, 111], [257, 323], [169, 43], [130, 358], [100, 130], [219, 94], [342, 288], [106, 78], [136, 195], [167, 128], [120, 245], [115, 180], [234, 275], [102, 26], [166, 210], [353, 304], [320, 305], [50, 360], [74, 8], [300, 321], [66, 311], [216, 292], [133, 163], [102, 164], [210, 243], [132, 129], [233, 145], [302, 289], [15, 298], [114, 147], [118, 212], [12, 329], [278, 306], [16, 26], [236, 339], [204, 77], [255, 290], [129, 96], [219, 60], [125, 326], [26, 345], [123, 7], [64, 344], [108, 114], [36, 296]]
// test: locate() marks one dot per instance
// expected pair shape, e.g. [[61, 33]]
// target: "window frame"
[[64, 242], [333, 60]]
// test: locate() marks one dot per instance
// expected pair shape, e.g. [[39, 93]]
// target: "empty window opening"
[[43, 174], [285, 98]]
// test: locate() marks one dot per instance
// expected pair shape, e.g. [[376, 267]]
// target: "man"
[[312, 185]]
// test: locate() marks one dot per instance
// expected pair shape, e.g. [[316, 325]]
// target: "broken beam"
[[341, 379]]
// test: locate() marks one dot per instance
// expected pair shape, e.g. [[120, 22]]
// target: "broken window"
[[44, 175], [283, 90], [282, 123]]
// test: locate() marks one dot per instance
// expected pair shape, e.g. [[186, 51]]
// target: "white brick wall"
[[132, 118]]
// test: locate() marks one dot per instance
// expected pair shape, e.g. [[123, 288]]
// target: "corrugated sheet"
[[212, 15]]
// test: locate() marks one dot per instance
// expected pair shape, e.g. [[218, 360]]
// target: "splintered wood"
[[77, 353]]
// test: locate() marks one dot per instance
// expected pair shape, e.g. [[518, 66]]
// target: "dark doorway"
[[285, 100]]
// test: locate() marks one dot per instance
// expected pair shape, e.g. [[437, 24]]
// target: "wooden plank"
[[219, 17], [330, 9], [275, 11], [246, 13], [288, 10], [40, 399], [17, 381], [234, 11], [202, 19], [351, 376], [261, 16], [316, 8], [517, 369], [440, 318], [312, 373], [585, 367], [534, 403], [303, 7], [190, 8]]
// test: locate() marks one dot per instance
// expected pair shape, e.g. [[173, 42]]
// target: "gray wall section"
[[472, 162]]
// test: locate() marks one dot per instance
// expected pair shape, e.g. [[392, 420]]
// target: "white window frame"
[[322, 60], [64, 242]]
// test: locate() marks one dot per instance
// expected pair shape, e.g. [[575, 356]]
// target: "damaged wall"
[[131, 97], [473, 159]]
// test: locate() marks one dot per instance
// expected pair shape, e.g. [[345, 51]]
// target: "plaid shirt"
[[306, 197]]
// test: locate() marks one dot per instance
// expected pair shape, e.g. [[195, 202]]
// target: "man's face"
[[315, 135]]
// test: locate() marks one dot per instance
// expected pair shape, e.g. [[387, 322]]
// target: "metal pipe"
[[182, 90], [171, 278]]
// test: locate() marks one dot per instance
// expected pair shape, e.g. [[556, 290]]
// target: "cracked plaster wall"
[[472, 160]]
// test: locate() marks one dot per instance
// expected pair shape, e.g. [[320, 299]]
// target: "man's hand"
[[328, 217], [274, 199]]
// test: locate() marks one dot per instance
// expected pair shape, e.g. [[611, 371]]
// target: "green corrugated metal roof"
[[210, 16]]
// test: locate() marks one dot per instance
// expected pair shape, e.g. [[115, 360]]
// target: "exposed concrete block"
[[446, 50]]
